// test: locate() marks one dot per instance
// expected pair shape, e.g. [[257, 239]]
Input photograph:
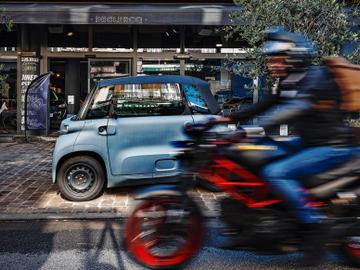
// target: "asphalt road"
[[96, 245]]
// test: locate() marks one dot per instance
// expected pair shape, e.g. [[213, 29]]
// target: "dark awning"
[[117, 14]]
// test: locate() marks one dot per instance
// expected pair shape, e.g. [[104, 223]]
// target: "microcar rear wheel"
[[81, 178]]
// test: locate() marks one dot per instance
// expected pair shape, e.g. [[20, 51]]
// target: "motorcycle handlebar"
[[223, 120], [198, 129]]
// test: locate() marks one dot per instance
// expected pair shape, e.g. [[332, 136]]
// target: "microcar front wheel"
[[81, 178]]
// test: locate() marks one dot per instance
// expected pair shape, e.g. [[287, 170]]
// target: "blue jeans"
[[283, 176]]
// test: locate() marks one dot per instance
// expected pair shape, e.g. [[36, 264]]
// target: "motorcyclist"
[[309, 98]]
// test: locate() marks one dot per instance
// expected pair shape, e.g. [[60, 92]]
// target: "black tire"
[[177, 259], [81, 178]]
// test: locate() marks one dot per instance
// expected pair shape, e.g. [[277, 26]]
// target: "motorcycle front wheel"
[[163, 233]]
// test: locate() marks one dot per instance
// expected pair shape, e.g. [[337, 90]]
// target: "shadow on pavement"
[[46, 241]]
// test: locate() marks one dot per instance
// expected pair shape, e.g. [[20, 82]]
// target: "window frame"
[[91, 102], [188, 110]]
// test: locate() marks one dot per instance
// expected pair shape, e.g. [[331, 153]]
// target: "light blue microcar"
[[122, 133]]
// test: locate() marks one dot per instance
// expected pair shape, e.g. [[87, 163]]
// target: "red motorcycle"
[[166, 228]]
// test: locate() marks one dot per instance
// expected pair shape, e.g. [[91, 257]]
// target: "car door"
[[94, 117], [147, 117]]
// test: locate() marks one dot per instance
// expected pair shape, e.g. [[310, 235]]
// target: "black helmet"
[[299, 49]]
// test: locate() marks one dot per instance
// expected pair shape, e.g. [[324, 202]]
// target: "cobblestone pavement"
[[26, 188]]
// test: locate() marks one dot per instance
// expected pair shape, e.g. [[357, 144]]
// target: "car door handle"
[[102, 130], [107, 130]]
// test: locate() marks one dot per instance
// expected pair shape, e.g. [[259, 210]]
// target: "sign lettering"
[[37, 103], [114, 19]]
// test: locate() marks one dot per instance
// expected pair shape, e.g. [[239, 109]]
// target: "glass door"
[[101, 69]]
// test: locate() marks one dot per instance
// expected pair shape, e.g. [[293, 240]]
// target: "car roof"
[[154, 79]]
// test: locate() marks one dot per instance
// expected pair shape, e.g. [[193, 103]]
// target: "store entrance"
[[72, 80], [68, 87]]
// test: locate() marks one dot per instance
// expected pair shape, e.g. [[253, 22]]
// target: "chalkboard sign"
[[37, 103]]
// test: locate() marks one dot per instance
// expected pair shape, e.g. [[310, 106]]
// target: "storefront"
[[82, 44]]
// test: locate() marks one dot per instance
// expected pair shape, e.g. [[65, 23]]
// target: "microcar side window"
[[196, 102], [152, 99], [101, 102]]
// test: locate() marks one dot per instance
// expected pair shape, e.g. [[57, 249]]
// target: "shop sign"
[[116, 19], [71, 99], [37, 103], [182, 56], [29, 72]]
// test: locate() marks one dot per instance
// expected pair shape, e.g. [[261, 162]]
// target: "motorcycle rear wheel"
[[150, 231]]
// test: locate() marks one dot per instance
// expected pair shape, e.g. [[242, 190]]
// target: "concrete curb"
[[76, 216]]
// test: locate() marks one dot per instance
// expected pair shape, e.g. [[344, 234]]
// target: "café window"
[[155, 99], [158, 36], [159, 67], [101, 69], [8, 105], [68, 37], [112, 38], [8, 40], [211, 39], [203, 37]]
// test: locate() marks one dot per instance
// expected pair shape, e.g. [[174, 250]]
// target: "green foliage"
[[326, 22], [353, 122], [2, 77], [4, 20]]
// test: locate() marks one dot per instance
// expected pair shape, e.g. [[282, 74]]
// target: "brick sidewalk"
[[26, 189]]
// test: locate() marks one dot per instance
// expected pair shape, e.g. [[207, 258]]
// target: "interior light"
[[70, 34]]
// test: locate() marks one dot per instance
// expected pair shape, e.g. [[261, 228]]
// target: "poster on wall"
[[37, 104], [29, 72]]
